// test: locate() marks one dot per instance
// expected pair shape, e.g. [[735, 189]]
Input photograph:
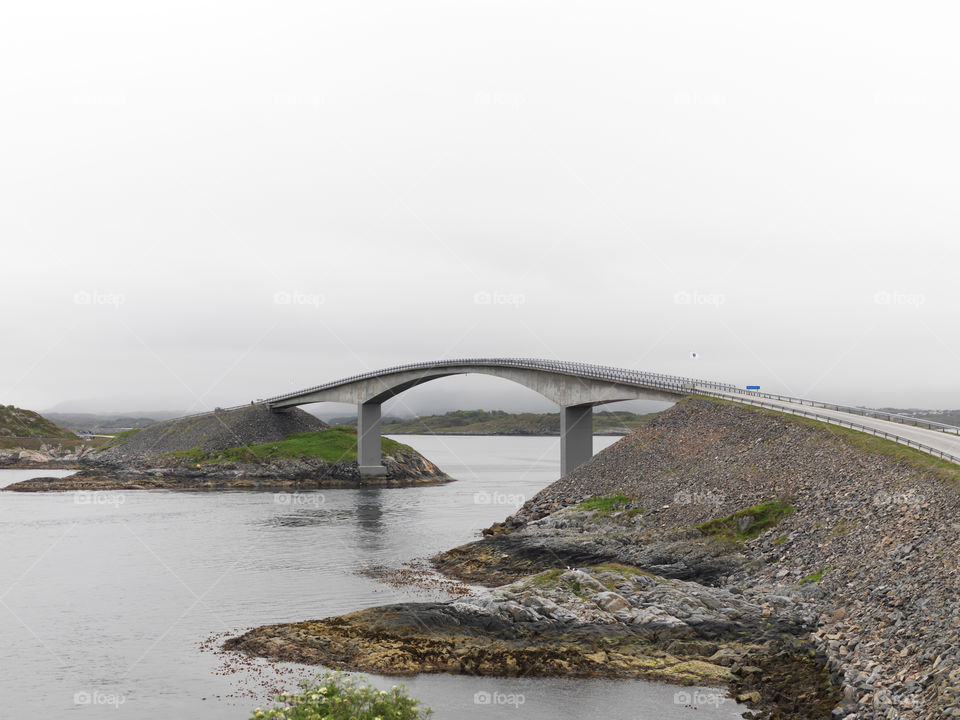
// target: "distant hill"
[[102, 423], [947, 417], [499, 422], [20, 428]]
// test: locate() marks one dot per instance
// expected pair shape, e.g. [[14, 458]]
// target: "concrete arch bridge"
[[577, 388]]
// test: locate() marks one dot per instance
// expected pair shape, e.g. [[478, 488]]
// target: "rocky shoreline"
[[602, 621], [813, 570], [596, 620], [47, 457], [287, 474]]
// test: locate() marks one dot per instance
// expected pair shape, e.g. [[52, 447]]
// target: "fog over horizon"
[[204, 205]]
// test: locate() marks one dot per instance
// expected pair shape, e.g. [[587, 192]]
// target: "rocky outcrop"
[[571, 536], [47, 455], [607, 620]]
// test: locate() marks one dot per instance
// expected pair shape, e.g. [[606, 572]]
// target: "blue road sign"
[[753, 387]]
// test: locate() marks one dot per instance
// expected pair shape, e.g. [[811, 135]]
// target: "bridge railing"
[[854, 410], [855, 426]]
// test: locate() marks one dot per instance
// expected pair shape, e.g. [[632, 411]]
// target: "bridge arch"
[[575, 387]]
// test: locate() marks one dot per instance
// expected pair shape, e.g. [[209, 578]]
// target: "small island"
[[243, 448]]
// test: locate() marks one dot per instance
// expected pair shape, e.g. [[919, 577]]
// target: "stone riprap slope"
[[215, 431], [873, 539]]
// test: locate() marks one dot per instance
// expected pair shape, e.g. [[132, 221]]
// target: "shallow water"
[[106, 598]]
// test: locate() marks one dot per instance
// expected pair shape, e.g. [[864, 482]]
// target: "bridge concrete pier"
[[368, 440], [576, 436]]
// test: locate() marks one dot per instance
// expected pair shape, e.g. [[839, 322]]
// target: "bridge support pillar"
[[368, 440], [576, 436]]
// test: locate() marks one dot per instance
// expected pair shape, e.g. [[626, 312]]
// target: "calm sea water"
[[107, 599]]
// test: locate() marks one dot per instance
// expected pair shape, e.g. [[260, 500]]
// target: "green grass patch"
[[780, 540], [125, 434], [605, 503], [817, 576], [547, 579], [844, 526], [616, 567], [338, 697], [333, 445], [748, 523]]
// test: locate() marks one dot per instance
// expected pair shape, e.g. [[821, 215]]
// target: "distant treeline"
[[499, 422]]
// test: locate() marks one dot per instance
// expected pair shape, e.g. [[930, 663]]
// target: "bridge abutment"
[[368, 440], [576, 436]]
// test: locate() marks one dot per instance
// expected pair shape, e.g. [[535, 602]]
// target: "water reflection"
[[307, 517], [370, 511]]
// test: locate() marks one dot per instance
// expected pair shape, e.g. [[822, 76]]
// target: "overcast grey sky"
[[203, 203]]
